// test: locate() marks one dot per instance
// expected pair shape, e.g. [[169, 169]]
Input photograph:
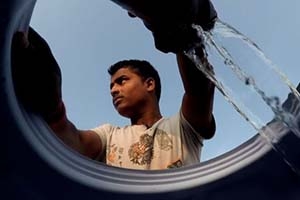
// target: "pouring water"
[[256, 88], [249, 81]]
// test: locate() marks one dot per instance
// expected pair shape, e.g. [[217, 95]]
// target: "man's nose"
[[114, 90]]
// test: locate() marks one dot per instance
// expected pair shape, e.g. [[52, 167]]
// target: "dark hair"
[[140, 67]]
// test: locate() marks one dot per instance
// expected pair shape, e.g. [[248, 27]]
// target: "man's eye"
[[123, 81]]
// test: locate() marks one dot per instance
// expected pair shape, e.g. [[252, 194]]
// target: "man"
[[151, 141]]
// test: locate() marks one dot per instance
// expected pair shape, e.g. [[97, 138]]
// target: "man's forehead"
[[125, 71]]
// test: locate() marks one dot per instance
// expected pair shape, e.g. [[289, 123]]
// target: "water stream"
[[248, 80]]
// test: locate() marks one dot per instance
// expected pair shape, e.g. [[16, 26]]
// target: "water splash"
[[255, 88]]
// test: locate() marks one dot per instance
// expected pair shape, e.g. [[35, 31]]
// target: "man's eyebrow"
[[117, 80]]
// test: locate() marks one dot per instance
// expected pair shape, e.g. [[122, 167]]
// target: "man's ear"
[[150, 82]]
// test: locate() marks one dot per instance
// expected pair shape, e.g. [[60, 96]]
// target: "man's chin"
[[124, 112]]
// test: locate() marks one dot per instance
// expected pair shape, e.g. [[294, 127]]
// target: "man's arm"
[[197, 103], [37, 83], [86, 142]]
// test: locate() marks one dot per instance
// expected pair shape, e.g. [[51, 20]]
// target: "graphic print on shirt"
[[141, 152], [176, 164], [163, 139], [115, 154]]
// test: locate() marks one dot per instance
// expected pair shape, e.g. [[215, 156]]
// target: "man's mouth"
[[117, 100]]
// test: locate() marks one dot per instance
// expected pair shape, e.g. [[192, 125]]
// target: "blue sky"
[[86, 38]]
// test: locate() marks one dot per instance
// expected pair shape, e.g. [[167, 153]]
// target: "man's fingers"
[[37, 41], [131, 15], [20, 40]]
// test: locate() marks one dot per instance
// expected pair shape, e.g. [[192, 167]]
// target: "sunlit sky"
[[86, 38]]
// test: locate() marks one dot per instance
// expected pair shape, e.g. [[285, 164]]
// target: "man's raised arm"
[[37, 83], [197, 103]]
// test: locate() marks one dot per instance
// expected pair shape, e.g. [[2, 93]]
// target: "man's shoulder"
[[168, 122], [107, 127], [103, 127], [173, 118]]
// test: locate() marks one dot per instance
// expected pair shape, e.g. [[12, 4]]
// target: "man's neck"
[[147, 119]]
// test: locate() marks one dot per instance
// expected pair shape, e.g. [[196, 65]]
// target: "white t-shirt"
[[169, 143]]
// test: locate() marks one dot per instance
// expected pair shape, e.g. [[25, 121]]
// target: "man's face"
[[129, 92]]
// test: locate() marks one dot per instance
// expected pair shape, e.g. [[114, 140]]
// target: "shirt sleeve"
[[191, 140], [188, 130], [103, 132]]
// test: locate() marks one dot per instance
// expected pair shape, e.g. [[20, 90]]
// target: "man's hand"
[[36, 74], [175, 38], [37, 82], [171, 21]]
